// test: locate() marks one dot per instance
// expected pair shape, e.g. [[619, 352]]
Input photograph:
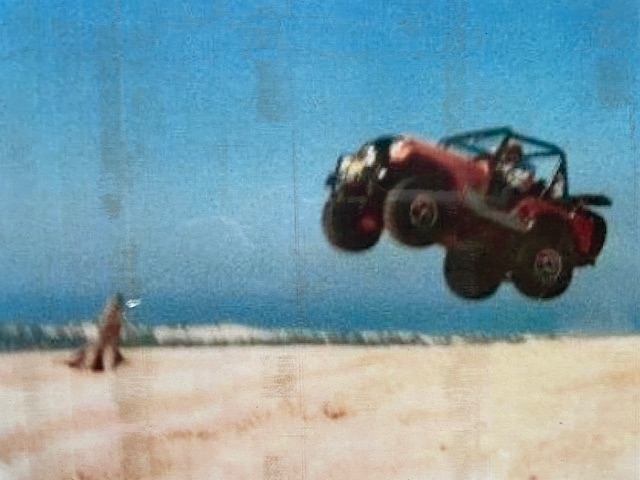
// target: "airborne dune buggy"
[[445, 193]]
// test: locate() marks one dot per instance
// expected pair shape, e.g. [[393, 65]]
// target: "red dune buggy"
[[456, 193]]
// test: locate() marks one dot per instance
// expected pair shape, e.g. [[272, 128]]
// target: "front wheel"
[[412, 215], [350, 226], [544, 265], [472, 271]]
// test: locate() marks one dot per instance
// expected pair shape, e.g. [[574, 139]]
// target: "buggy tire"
[[472, 271], [351, 227], [545, 261], [412, 215]]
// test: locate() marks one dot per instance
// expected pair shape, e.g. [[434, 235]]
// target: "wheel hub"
[[369, 223], [548, 266], [423, 211]]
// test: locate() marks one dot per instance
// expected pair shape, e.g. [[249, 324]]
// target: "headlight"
[[353, 168], [370, 156], [344, 162]]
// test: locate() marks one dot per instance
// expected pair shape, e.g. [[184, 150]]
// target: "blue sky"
[[180, 150]]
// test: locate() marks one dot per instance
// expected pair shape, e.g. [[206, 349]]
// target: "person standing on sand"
[[104, 354]]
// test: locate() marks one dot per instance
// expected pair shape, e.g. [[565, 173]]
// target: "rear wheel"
[[412, 214], [351, 227], [472, 271], [544, 262]]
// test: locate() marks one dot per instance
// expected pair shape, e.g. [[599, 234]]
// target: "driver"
[[515, 171], [514, 177]]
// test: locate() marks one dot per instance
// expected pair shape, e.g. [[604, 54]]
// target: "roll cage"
[[487, 143]]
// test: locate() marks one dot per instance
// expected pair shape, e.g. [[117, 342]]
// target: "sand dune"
[[538, 410]]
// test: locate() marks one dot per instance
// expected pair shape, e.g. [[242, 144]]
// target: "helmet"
[[513, 152]]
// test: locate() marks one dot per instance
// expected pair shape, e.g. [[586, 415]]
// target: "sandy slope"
[[540, 410]]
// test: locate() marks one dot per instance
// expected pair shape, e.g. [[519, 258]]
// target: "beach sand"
[[543, 409]]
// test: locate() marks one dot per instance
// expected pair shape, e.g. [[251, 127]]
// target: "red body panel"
[[423, 158]]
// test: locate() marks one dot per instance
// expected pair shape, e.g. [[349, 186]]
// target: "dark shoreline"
[[18, 337]]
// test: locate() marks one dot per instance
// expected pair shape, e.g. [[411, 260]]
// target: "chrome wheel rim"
[[423, 211], [548, 266]]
